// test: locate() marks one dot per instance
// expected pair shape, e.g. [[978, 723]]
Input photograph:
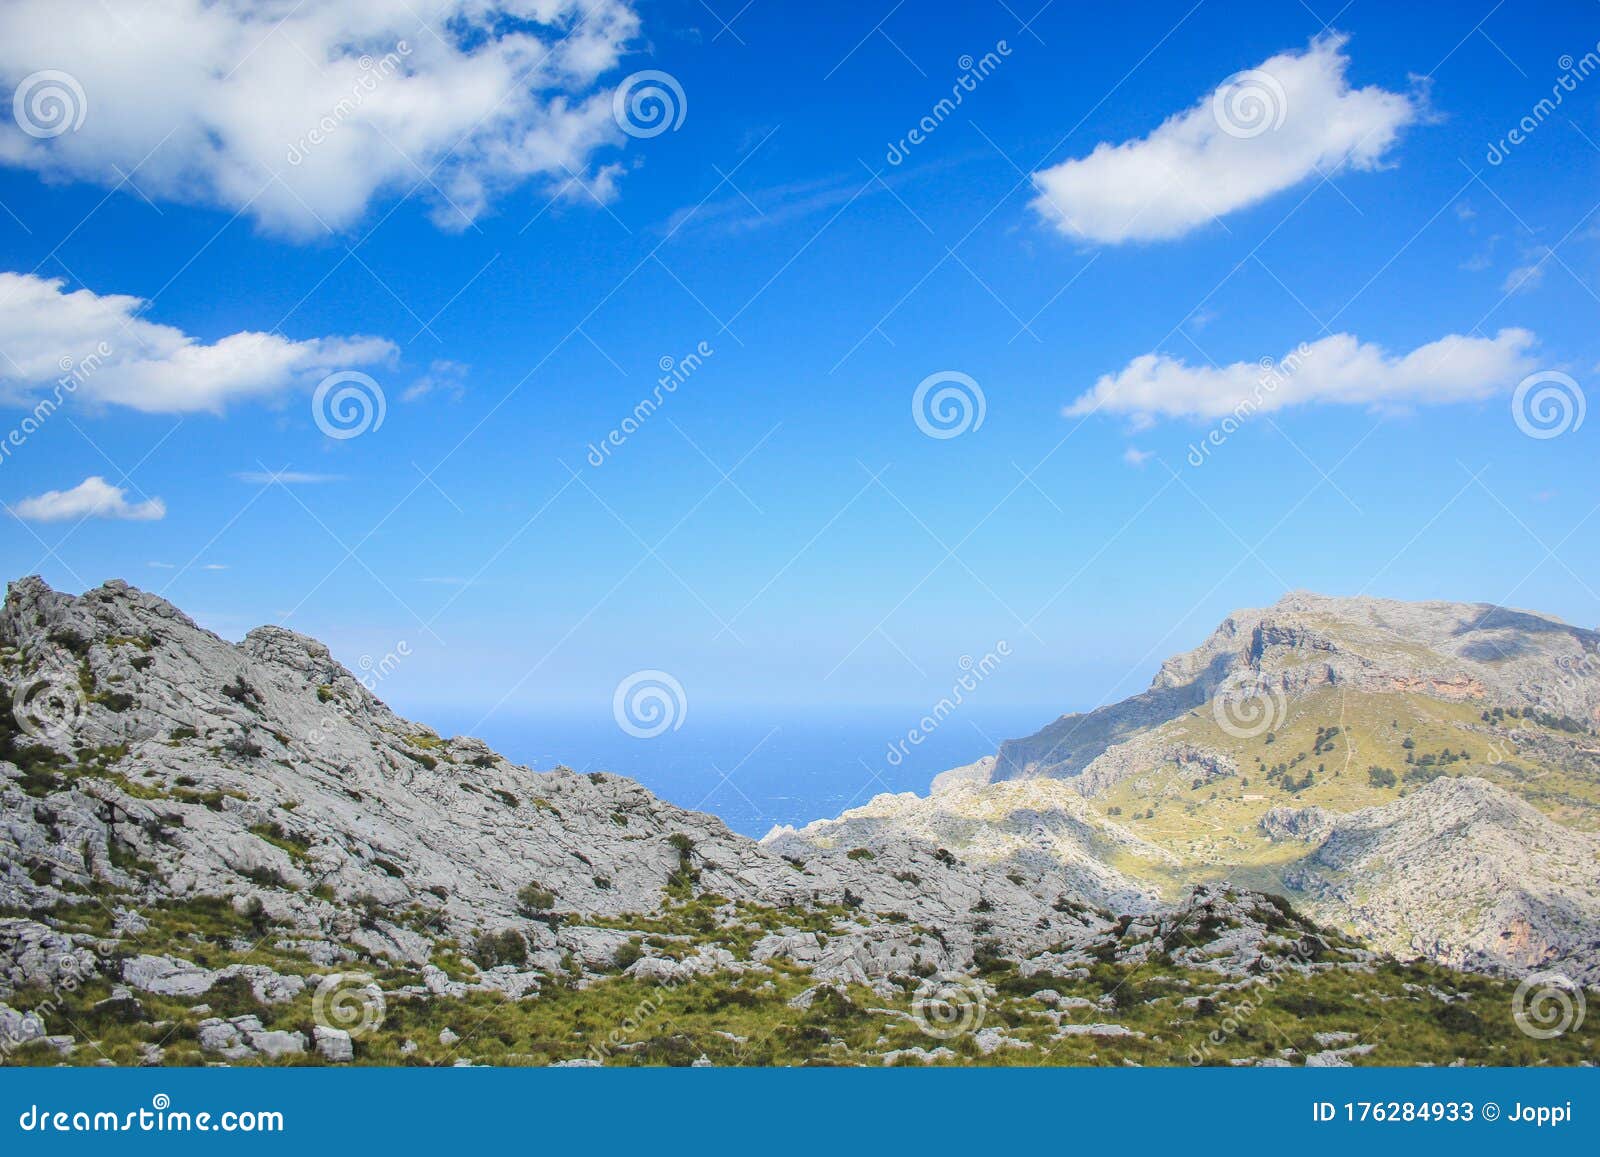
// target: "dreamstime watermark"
[[348, 404], [649, 703], [74, 372], [1273, 376], [1548, 404], [1250, 103], [375, 671], [674, 372], [973, 673], [369, 673], [373, 73], [948, 404], [649, 103], [1248, 705], [72, 973], [627, 1030], [1242, 1011], [160, 1117], [973, 73], [49, 103], [1576, 672], [48, 705], [1547, 1005], [948, 1004], [1573, 73], [349, 1001]]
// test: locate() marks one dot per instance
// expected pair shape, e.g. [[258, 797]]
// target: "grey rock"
[[333, 1044]]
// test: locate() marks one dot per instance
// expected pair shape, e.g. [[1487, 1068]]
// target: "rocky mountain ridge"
[[1294, 749], [1457, 651], [198, 837]]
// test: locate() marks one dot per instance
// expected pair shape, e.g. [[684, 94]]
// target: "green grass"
[[1212, 824], [624, 1021]]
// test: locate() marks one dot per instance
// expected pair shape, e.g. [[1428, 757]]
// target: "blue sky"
[[780, 530]]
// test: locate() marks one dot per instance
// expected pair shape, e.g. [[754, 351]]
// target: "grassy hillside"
[[1112, 1012], [1342, 751]]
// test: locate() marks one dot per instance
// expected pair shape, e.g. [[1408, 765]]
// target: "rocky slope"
[[1460, 872], [1425, 776], [266, 770], [235, 852]]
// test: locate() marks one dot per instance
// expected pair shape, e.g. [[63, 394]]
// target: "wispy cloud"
[[1529, 275], [443, 376], [285, 477], [761, 208]]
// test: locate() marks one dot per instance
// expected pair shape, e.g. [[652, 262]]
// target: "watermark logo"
[[674, 373], [973, 673], [74, 372], [48, 706], [375, 671], [49, 103], [948, 404], [1548, 404], [1273, 376], [649, 703], [649, 103], [1247, 705], [1573, 73], [1250, 103], [373, 73], [350, 1001], [948, 1004], [973, 73], [1548, 1004], [348, 404]]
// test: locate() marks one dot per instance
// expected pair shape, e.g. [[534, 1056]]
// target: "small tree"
[[533, 898]]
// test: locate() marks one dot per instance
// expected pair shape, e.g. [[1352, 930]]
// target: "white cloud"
[[1337, 370], [1257, 134], [1134, 456], [97, 347], [447, 376], [1528, 276], [267, 107], [94, 497]]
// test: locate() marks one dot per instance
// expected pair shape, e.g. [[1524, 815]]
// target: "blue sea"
[[758, 767]]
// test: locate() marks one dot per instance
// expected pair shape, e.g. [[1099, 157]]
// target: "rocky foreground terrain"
[[234, 853]]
